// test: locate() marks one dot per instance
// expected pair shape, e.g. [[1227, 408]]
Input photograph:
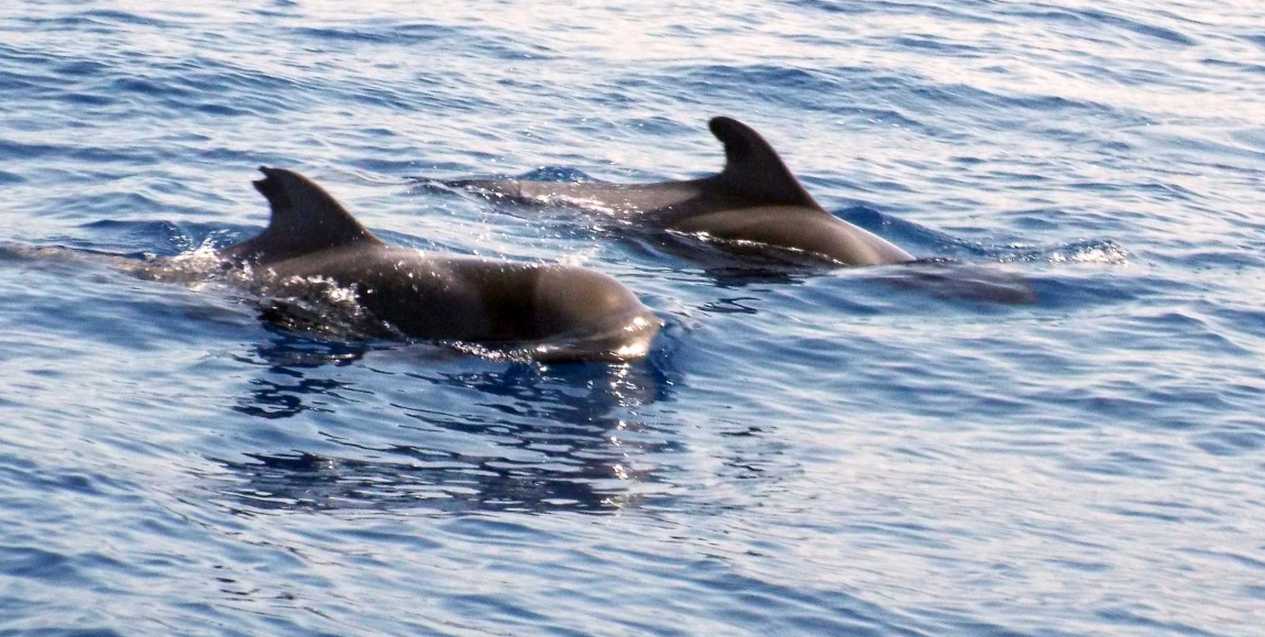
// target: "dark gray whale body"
[[551, 312], [754, 200]]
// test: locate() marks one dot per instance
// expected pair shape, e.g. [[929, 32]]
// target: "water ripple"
[[1065, 388]]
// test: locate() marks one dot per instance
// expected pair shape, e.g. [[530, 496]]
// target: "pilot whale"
[[551, 312], [755, 199]]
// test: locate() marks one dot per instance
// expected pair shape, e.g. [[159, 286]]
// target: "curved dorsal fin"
[[305, 219], [753, 169]]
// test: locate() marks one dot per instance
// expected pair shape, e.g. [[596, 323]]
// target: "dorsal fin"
[[305, 219], [753, 169]]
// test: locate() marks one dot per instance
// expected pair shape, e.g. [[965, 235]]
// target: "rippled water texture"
[[842, 452]]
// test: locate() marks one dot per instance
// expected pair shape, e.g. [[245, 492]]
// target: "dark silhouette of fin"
[[305, 219], [753, 169]]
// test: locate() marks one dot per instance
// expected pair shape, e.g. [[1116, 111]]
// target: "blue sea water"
[[822, 452]]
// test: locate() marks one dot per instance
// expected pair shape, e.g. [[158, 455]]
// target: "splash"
[[192, 267], [1096, 251]]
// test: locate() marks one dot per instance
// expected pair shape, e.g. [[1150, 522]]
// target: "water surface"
[[804, 452]]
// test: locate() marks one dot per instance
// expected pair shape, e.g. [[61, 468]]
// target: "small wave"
[[918, 238], [940, 244], [781, 84], [1100, 251], [380, 34], [161, 237], [938, 46], [93, 21], [1094, 17], [148, 87], [422, 34], [107, 15], [82, 68], [888, 8]]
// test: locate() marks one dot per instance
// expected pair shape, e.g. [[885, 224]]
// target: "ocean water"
[[820, 452]]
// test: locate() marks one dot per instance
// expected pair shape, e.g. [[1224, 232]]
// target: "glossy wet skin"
[[795, 228], [754, 199], [466, 298], [556, 312]]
